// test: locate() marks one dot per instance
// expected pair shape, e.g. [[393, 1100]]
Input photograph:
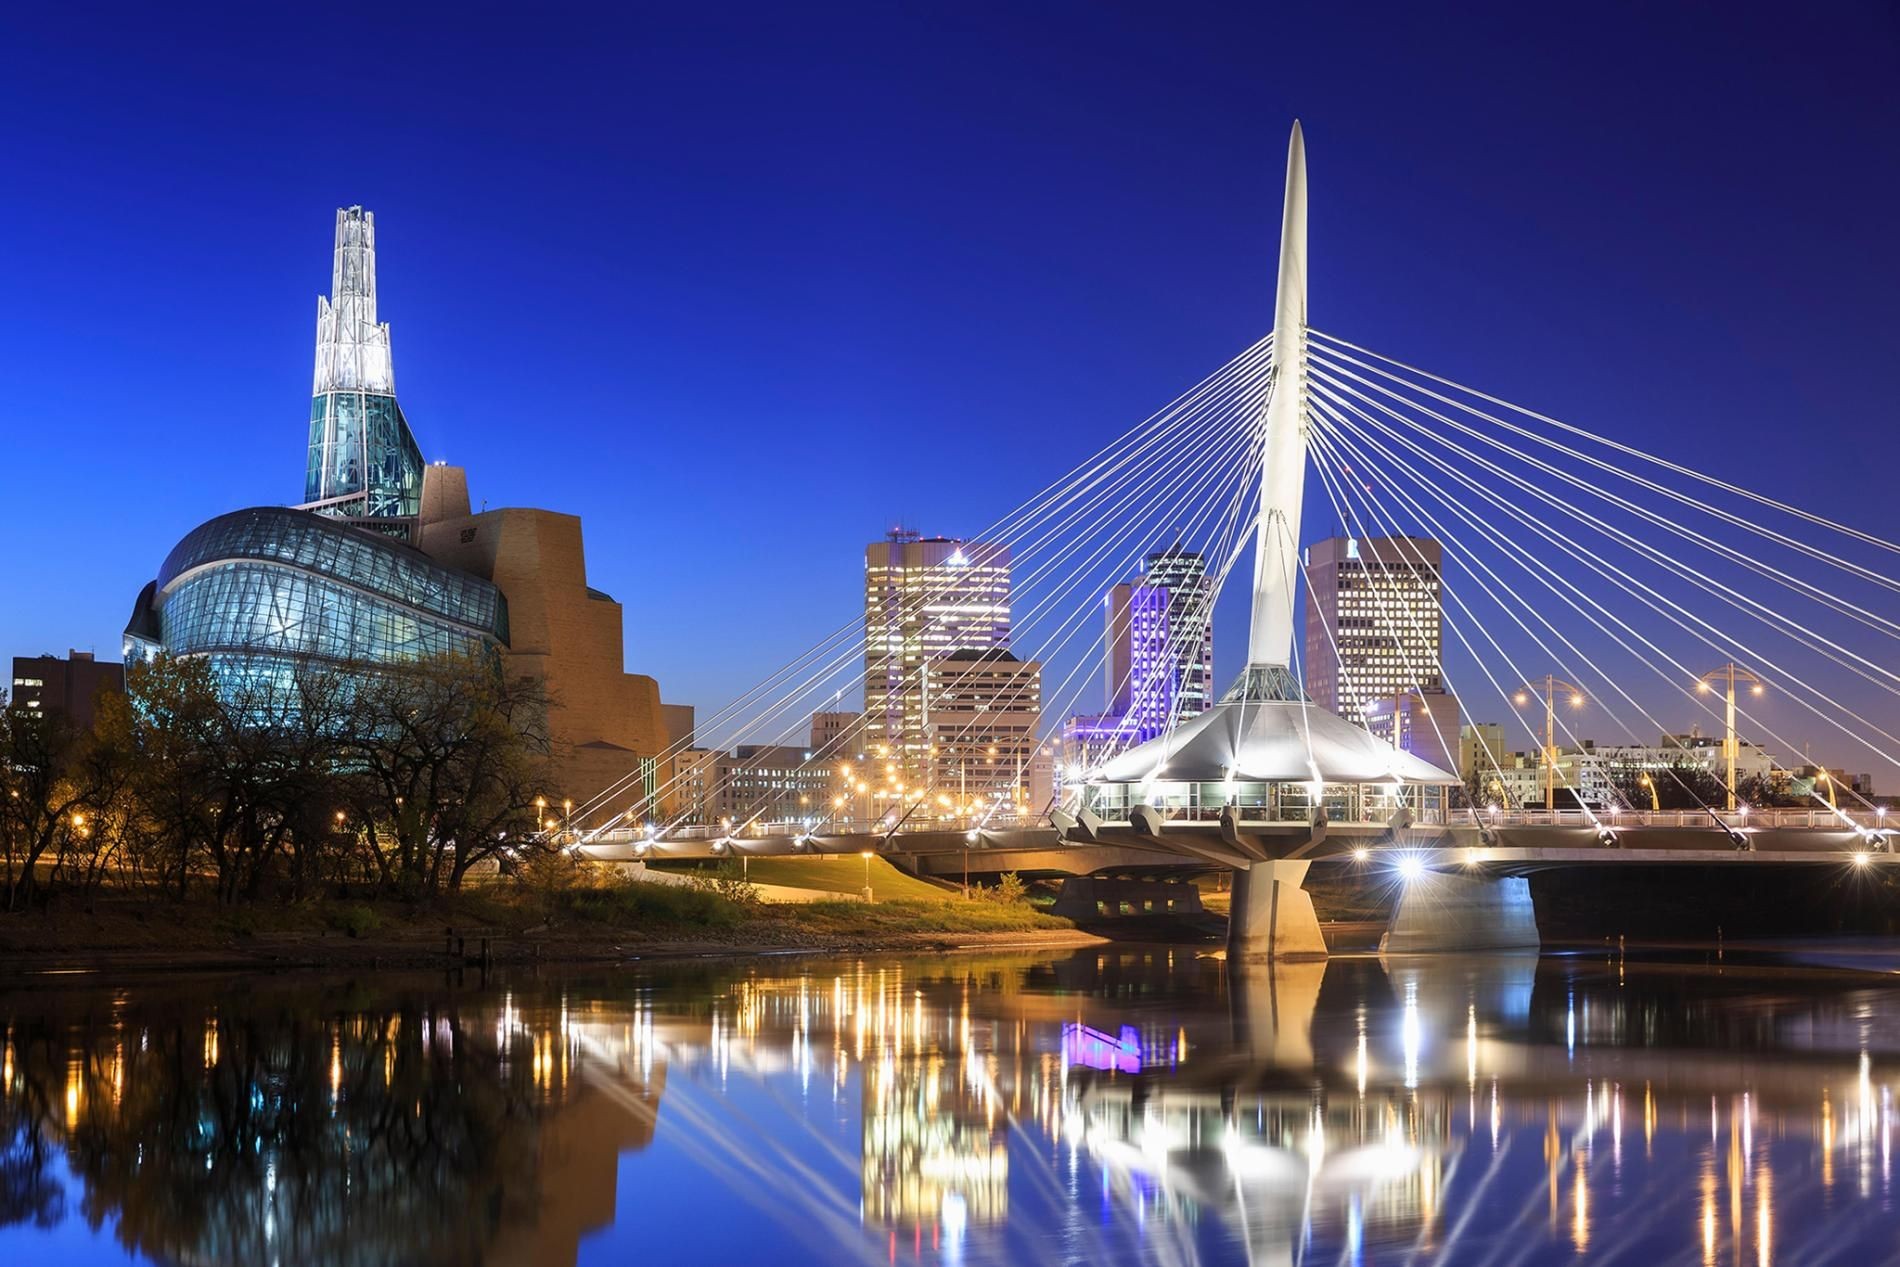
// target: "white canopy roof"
[[1270, 741]]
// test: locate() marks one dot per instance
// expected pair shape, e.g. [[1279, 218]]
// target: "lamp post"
[[1825, 777], [866, 855], [1550, 688], [1655, 802], [1729, 675]]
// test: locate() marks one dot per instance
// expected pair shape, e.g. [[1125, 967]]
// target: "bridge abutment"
[[1446, 911], [1272, 916]]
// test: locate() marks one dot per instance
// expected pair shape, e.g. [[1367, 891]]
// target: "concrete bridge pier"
[[1272, 916], [1449, 911]]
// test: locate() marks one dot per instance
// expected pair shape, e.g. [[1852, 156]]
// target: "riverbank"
[[140, 936]]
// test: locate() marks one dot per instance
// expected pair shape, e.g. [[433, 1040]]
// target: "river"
[[1128, 1103]]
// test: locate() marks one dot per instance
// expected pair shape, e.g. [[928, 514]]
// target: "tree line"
[[378, 780], [1680, 785]]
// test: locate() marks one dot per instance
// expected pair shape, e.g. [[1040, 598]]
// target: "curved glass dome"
[[264, 590]]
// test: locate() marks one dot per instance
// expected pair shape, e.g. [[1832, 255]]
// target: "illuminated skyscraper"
[[924, 597], [1183, 574], [1160, 645], [1374, 622], [362, 461], [1141, 683]]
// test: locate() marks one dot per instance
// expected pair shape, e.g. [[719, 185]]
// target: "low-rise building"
[[1423, 723], [68, 687]]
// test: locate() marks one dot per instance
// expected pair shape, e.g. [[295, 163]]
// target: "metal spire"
[[352, 347]]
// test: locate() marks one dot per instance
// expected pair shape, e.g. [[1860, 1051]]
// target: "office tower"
[[924, 597], [1183, 575], [1373, 621], [1160, 638], [1142, 668], [981, 736]]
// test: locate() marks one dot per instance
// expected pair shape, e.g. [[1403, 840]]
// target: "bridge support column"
[[1445, 911], [1272, 915]]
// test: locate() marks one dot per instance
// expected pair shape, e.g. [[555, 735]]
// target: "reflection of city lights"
[[1471, 1046], [1708, 1214], [1764, 1214], [1649, 1118], [956, 1076], [1412, 1034]]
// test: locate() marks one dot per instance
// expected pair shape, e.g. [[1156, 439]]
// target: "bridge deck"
[[1514, 842]]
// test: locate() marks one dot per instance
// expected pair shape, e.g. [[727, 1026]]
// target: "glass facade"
[[261, 591], [363, 461]]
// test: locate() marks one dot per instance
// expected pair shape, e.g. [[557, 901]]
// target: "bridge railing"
[[1435, 816], [866, 827], [1845, 820]]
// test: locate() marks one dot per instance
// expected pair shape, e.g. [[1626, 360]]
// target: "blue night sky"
[[745, 284]]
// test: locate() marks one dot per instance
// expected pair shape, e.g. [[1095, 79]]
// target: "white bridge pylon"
[[1283, 462], [1265, 732]]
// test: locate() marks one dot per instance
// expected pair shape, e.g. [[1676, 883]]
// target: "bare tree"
[[451, 755], [60, 781]]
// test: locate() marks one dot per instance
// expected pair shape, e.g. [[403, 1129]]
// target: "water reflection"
[[1117, 1105]]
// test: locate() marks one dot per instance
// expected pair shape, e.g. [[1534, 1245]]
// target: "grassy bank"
[[584, 919], [842, 874]]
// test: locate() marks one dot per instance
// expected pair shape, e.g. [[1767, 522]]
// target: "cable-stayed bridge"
[[1607, 573]]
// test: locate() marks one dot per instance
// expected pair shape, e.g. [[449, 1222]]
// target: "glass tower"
[[924, 597], [1190, 620], [363, 462]]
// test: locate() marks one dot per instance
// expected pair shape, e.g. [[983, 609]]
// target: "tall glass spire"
[[363, 462]]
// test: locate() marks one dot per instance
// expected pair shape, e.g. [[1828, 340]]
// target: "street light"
[[1550, 688], [866, 855], [1729, 675], [1655, 802]]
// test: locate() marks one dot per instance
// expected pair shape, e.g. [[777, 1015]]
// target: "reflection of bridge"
[[1301, 1120], [1611, 579], [1375, 1098]]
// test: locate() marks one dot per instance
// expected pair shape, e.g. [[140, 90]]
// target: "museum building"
[[385, 562]]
